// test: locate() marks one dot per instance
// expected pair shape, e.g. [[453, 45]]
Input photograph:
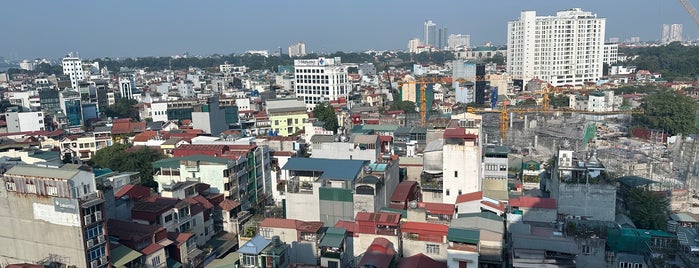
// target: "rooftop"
[[254, 246], [333, 169], [42, 172], [333, 237], [533, 202]]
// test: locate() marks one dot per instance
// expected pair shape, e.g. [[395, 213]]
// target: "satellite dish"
[[413, 204]]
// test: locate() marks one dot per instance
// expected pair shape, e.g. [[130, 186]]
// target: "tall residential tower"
[[566, 49]]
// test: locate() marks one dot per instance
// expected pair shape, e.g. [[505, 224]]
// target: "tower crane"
[[423, 82], [691, 10]]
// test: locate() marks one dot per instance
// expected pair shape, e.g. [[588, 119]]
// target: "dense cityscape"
[[563, 147]]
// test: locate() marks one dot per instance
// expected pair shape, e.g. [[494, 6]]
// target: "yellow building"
[[286, 116]]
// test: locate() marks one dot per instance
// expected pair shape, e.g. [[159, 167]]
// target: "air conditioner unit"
[[90, 243], [100, 239], [98, 215], [104, 260], [94, 264], [88, 219]]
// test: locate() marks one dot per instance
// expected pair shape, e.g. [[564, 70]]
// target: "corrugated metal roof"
[[35, 171], [333, 237], [255, 245], [468, 236], [333, 169], [122, 255]]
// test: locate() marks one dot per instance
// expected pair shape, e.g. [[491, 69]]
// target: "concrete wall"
[[32, 230], [462, 171], [595, 257], [593, 201], [343, 150], [456, 256], [539, 214], [414, 247], [301, 206], [160, 254]]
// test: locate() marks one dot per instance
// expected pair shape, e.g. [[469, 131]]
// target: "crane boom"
[[691, 10]]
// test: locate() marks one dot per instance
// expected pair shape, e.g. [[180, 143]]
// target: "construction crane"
[[691, 10], [422, 82], [505, 117]]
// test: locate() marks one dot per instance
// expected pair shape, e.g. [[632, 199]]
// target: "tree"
[[668, 111], [406, 106], [116, 157], [123, 108], [327, 115], [646, 210], [560, 101]]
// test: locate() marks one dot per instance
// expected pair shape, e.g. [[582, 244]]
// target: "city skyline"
[[165, 28]]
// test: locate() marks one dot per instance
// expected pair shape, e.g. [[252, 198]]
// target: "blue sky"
[[51, 29]]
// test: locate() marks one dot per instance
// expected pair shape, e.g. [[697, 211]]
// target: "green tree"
[[327, 115], [408, 107], [560, 101], [123, 108], [675, 61], [668, 111], [646, 210], [116, 157]]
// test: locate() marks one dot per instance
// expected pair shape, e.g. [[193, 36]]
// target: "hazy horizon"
[[164, 28]]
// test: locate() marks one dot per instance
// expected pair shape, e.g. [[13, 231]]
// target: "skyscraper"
[[442, 37], [430, 35], [563, 49], [671, 33], [320, 80]]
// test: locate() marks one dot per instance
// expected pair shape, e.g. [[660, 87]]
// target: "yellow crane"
[[422, 105], [691, 10]]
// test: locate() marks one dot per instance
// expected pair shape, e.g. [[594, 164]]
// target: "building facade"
[[320, 80], [297, 50], [73, 68], [563, 49], [52, 212]]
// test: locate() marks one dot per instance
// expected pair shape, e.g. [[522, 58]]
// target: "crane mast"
[[691, 10]]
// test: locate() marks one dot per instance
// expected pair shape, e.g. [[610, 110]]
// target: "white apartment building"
[[320, 80], [22, 122], [563, 49], [458, 41], [414, 45], [297, 50], [611, 53], [671, 33], [73, 68]]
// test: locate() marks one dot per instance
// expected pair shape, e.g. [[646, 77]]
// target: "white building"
[[320, 80], [671, 33], [126, 87], [463, 161], [611, 53], [297, 50], [27, 65], [73, 68], [563, 49], [430, 33], [458, 41], [413, 45], [22, 122]]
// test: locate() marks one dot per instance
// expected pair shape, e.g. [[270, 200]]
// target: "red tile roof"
[[438, 208], [152, 248], [179, 238], [382, 218], [419, 261], [133, 191], [469, 197], [228, 204], [533, 202], [125, 127], [145, 136], [301, 226], [202, 200]]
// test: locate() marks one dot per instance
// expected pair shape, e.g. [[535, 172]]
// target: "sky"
[[136, 28]]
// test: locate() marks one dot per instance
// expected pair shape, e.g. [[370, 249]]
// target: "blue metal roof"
[[333, 169], [254, 246]]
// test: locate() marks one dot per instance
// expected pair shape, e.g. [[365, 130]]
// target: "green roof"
[[485, 215], [629, 239], [229, 261], [496, 150], [174, 162], [381, 128], [46, 155], [122, 255], [333, 237], [467, 236], [378, 167], [171, 263]]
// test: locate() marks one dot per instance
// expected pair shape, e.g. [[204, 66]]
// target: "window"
[[31, 188], [333, 264], [447, 192], [266, 232], [10, 186], [155, 261], [249, 260], [432, 249], [52, 190], [586, 249], [456, 173], [168, 218]]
